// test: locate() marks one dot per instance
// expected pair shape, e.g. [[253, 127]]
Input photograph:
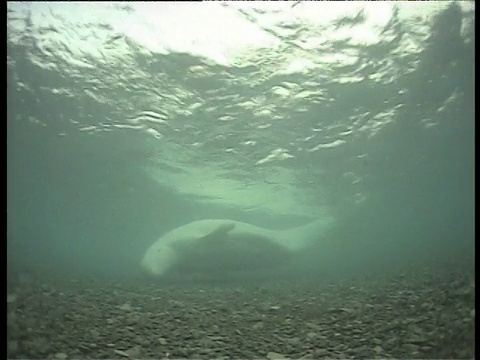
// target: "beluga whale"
[[214, 248]]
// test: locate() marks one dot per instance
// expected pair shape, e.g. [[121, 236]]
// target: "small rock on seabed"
[[415, 315]]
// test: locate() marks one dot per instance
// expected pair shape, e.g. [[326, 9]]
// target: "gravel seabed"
[[415, 314]]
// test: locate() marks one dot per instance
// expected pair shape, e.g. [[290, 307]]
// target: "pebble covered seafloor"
[[416, 314]]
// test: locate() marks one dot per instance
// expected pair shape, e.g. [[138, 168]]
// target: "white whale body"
[[217, 246]]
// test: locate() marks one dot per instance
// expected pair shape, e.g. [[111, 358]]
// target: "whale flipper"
[[218, 234]]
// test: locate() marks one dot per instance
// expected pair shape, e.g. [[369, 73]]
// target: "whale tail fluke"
[[300, 237]]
